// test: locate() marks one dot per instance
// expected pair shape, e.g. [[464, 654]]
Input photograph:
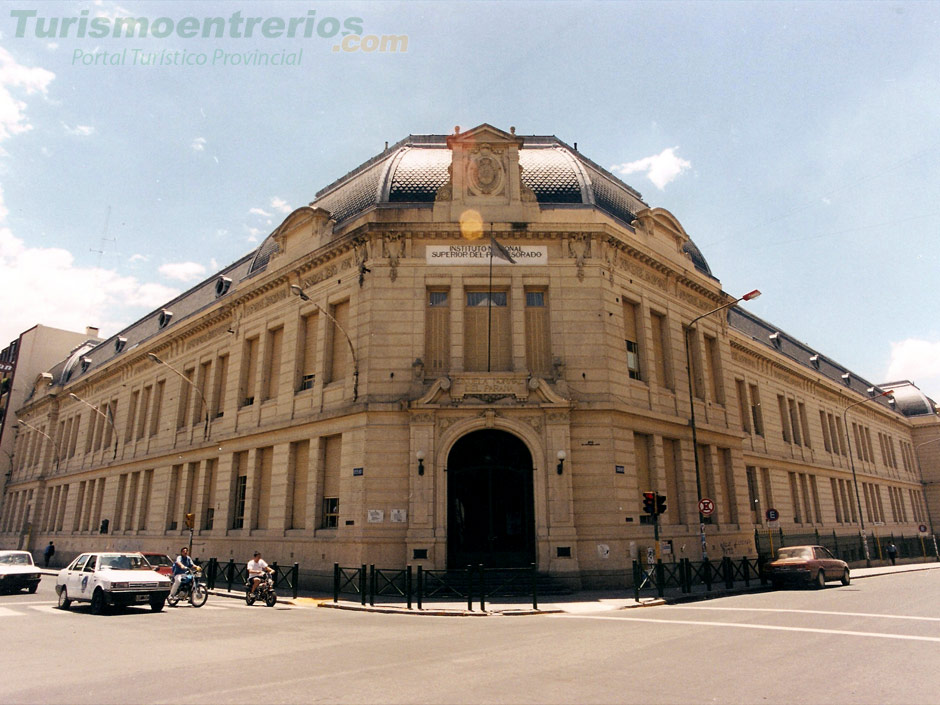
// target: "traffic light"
[[660, 504], [190, 520], [649, 502]]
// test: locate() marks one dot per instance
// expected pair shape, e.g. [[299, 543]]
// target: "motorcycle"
[[191, 588], [264, 591]]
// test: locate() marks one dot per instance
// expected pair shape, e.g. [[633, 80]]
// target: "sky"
[[797, 143]]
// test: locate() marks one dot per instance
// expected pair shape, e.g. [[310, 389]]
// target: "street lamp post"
[[352, 350], [107, 417], [848, 445], [205, 404], [688, 368]]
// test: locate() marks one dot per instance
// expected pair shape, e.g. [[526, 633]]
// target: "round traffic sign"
[[772, 515], [706, 507], [922, 528]]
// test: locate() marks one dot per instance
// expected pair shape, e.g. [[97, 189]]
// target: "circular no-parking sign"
[[706, 507]]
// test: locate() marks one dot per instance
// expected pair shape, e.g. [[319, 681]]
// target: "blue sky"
[[796, 142]]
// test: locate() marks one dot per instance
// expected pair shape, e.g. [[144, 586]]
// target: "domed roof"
[[413, 170]]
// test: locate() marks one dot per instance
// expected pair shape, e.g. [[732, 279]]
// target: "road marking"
[[767, 627], [48, 609], [7, 612], [839, 614]]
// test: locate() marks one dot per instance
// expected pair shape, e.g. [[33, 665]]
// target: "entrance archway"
[[490, 511]]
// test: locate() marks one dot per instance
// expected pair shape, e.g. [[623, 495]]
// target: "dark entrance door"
[[490, 518]]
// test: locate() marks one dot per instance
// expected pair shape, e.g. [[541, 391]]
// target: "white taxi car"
[[17, 571], [105, 579]]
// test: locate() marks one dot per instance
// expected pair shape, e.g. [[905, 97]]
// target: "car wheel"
[[156, 603], [97, 602], [199, 595], [821, 579], [270, 599], [64, 600], [776, 584], [845, 577]]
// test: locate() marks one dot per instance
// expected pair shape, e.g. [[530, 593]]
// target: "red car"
[[806, 565], [160, 562]]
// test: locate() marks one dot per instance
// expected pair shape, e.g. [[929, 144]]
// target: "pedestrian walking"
[[893, 553], [48, 553]]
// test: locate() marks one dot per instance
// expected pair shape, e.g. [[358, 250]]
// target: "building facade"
[[474, 348]]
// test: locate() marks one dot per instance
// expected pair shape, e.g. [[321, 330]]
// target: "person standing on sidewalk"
[[892, 553], [48, 553]]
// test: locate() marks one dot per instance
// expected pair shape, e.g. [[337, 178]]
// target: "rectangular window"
[[794, 422], [330, 485], [859, 449], [199, 393], [804, 423], [132, 501], [172, 502], [241, 487], [753, 495], [743, 411], [708, 477], [73, 440], [868, 446], [674, 508], [264, 463], [804, 488], [757, 415], [729, 493], [308, 353], [662, 363], [631, 339], [537, 333], [486, 318], [144, 408], [827, 438], [116, 522], [272, 363], [840, 434], [157, 408], [218, 386], [848, 501], [298, 472], [814, 492], [146, 484], [246, 385], [110, 412], [185, 394], [784, 418], [340, 362], [208, 492], [795, 498], [713, 363], [835, 499]]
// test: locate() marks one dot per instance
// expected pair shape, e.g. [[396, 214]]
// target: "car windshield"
[[133, 561], [795, 553], [16, 559]]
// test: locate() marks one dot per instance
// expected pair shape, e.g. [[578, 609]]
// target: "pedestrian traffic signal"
[[649, 502], [660, 504], [190, 520]]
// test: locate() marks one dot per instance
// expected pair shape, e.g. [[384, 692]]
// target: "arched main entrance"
[[490, 515]]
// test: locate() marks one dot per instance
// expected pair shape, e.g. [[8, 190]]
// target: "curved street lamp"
[[205, 404], [848, 445], [294, 289], [107, 417], [749, 296]]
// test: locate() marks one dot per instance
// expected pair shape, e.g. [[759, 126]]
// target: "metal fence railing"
[[687, 575], [850, 547], [229, 574], [473, 584]]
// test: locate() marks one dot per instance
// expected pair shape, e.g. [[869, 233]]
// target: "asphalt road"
[[875, 641]]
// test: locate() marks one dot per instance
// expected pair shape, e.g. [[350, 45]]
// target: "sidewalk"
[[586, 601]]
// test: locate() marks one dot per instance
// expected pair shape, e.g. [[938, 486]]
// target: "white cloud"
[[79, 130], [199, 144], [280, 205], [183, 271], [254, 234], [661, 168], [16, 76], [260, 211], [69, 296], [137, 257], [918, 361]]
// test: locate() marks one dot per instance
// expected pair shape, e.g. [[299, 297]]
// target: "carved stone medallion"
[[485, 173]]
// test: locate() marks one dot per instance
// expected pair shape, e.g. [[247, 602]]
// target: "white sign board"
[[480, 254], [375, 516]]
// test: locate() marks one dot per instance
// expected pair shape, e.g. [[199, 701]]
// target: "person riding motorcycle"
[[256, 570], [181, 567]]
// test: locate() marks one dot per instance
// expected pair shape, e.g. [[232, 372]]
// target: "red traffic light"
[[649, 502]]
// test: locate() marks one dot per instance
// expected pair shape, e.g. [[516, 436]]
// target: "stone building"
[[379, 383]]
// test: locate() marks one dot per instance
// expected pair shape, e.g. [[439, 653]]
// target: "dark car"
[[806, 565], [160, 562]]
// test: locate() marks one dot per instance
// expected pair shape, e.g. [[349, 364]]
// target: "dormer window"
[[119, 344], [814, 361], [86, 363], [222, 285], [165, 318], [847, 379], [775, 339]]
